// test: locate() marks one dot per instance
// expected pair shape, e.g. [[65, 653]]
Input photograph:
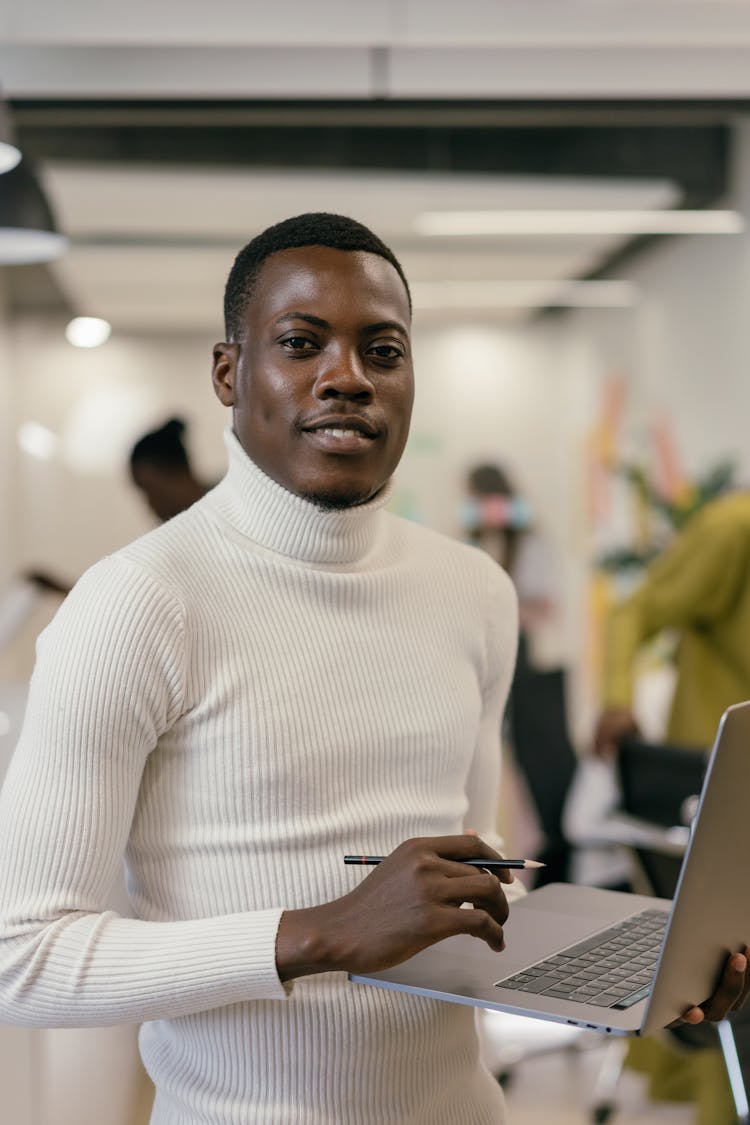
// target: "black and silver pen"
[[515, 864]]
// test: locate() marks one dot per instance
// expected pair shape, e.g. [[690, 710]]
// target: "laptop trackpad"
[[553, 918]]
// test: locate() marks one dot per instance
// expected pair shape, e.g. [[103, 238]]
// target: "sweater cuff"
[[262, 975]]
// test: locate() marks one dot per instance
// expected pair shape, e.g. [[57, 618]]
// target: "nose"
[[345, 376]]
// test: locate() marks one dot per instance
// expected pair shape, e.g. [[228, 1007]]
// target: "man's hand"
[[614, 724], [730, 993], [410, 901]]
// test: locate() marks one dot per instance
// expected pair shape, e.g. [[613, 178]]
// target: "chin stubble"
[[335, 501]]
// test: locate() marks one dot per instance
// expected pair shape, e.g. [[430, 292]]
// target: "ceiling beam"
[[694, 153]]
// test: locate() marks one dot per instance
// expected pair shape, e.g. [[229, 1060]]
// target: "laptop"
[[620, 963]]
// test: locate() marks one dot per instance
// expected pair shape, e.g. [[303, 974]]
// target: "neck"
[[310, 530]]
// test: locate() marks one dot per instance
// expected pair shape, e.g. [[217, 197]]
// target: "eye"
[[387, 352], [299, 344]]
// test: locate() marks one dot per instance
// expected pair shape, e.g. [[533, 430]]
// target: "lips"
[[343, 422], [341, 434]]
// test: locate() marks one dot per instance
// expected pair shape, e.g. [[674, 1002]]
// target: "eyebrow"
[[316, 321], [319, 322], [386, 325]]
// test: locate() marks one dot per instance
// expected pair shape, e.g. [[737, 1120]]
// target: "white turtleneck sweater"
[[235, 701]]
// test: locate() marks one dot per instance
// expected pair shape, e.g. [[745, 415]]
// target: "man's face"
[[321, 381]]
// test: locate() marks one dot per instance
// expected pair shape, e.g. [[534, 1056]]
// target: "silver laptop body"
[[708, 918]]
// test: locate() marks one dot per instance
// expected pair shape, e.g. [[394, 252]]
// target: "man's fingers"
[[731, 987], [728, 995], [455, 870], [479, 924], [483, 890], [692, 1016], [467, 846], [504, 874], [746, 989]]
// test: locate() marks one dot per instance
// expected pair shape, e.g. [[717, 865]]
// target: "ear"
[[224, 372]]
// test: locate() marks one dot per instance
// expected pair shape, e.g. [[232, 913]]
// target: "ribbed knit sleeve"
[[109, 681]]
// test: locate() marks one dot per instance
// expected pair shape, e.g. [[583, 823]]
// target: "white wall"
[[687, 349]]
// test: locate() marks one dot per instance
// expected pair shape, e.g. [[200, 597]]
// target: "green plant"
[[675, 511]]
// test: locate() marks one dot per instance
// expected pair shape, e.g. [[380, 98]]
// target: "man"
[[278, 676]]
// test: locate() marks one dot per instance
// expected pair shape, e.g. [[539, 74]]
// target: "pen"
[[516, 864]]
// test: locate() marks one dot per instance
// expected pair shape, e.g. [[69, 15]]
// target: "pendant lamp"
[[9, 154], [27, 228]]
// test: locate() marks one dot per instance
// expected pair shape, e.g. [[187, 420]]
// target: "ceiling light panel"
[[581, 223]]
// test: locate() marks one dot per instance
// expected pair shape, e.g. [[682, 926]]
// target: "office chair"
[[659, 787], [538, 729]]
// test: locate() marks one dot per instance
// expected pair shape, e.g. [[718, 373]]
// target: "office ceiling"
[[167, 135]]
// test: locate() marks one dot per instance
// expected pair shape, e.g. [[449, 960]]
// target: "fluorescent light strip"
[[522, 294], [542, 222]]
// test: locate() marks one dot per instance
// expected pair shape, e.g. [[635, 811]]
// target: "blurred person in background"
[[700, 587], [497, 518], [160, 467]]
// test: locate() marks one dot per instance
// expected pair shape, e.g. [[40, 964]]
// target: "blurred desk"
[[632, 832]]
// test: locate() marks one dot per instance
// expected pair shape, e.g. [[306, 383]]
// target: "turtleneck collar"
[[280, 521]]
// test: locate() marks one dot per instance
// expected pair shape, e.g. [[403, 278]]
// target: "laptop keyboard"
[[613, 969]]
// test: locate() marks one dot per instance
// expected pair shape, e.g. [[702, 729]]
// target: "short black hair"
[[316, 228], [163, 447], [490, 480]]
